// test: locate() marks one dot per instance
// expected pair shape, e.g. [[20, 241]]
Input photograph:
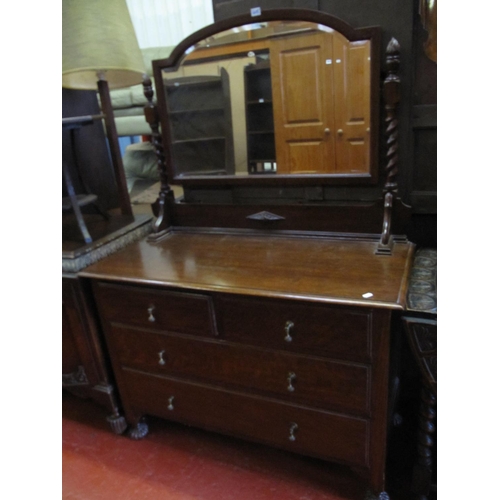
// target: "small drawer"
[[331, 331], [321, 434], [316, 382], [188, 313]]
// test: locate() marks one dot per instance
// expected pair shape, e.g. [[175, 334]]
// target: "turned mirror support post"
[[161, 205], [391, 98]]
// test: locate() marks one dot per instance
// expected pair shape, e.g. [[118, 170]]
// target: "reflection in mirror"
[[272, 98]]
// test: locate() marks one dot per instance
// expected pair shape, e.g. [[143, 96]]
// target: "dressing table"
[[261, 306]]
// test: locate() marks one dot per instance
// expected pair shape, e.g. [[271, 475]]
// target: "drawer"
[[189, 313], [316, 433], [297, 379], [331, 331]]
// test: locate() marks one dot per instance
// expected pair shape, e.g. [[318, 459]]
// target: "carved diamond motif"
[[265, 216]]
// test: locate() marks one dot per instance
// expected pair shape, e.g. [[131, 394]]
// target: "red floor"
[[179, 463]]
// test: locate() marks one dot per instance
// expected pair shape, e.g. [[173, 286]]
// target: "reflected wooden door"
[[352, 105], [302, 82]]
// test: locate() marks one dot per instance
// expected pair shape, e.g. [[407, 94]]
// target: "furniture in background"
[[74, 201], [420, 321], [139, 159], [85, 369], [261, 149], [100, 51], [259, 318], [200, 120], [128, 103], [141, 167], [85, 365]]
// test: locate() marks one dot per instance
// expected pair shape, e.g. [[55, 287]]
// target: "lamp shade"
[[98, 37]]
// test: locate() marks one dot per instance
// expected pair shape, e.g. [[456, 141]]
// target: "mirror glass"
[[269, 99]]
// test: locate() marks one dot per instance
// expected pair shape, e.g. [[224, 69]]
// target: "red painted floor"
[[180, 463]]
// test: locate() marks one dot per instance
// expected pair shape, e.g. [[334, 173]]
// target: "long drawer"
[[303, 430], [189, 313], [314, 381], [323, 330]]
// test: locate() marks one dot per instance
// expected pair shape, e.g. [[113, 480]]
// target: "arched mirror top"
[[286, 97]]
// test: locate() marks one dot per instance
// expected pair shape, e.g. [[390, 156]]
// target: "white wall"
[[163, 23]]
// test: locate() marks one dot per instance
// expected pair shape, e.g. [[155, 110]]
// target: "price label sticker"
[[256, 11]]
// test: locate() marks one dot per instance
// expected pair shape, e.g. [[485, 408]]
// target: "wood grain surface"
[[318, 269]]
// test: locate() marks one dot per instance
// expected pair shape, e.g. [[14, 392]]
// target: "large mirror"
[[295, 96]]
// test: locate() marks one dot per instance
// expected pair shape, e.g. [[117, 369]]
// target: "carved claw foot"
[[372, 496], [139, 431], [117, 423]]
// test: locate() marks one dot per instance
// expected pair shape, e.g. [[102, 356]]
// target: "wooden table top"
[[318, 269]]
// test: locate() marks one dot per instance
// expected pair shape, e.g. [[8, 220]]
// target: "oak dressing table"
[[268, 320]]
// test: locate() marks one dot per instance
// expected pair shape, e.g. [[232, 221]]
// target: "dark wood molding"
[[340, 218]]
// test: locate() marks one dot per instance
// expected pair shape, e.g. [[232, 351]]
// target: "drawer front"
[[316, 433], [296, 379], [189, 313], [331, 331]]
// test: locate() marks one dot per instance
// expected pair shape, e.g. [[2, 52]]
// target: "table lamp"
[[100, 51]]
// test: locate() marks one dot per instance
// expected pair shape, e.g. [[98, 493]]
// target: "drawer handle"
[[288, 326], [150, 312], [291, 380], [170, 403], [161, 361], [293, 428]]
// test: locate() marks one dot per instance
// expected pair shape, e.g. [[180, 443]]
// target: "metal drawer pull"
[[288, 326], [170, 403], [161, 360], [293, 428], [291, 380], [150, 312]]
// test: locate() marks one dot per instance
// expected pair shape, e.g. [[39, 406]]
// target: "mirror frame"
[[173, 62]]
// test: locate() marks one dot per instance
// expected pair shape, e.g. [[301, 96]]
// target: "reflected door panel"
[[352, 105], [303, 103]]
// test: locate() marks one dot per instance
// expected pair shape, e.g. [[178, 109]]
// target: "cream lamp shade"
[[99, 42]]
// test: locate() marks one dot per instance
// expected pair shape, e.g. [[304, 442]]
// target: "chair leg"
[[75, 205]]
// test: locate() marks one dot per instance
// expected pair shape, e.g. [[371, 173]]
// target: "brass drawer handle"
[[291, 380], [288, 326], [170, 403], [150, 312], [161, 361], [293, 428]]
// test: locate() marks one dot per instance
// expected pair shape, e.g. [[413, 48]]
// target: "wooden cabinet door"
[[303, 103], [321, 100], [352, 105]]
